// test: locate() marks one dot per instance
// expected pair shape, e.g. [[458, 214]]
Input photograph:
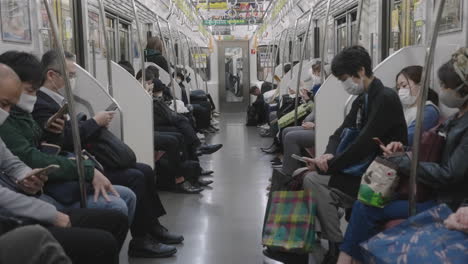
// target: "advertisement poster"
[[15, 20]]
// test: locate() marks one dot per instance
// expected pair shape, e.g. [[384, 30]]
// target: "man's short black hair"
[[149, 74], [155, 71], [253, 89], [350, 61], [127, 66], [26, 66]]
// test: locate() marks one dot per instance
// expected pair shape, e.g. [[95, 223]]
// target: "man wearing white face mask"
[[376, 112], [50, 99]]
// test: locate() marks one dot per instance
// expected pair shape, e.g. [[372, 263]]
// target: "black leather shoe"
[[161, 234], [204, 182], [187, 187], [206, 172], [146, 247], [210, 149]]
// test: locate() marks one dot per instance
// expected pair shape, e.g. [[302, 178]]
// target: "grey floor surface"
[[223, 224]]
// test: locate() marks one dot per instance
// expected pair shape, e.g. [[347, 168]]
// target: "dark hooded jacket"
[[157, 58]]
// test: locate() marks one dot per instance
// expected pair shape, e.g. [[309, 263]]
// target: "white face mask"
[[3, 116], [73, 83], [27, 102], [451, 98], [406, 98], [353, 88]]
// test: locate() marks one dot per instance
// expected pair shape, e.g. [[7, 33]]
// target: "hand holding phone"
[[299, 158], [34, 181], [59, 115], [112, 108]]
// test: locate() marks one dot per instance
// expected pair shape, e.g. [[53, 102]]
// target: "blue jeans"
[[125, 204], [365, 221]]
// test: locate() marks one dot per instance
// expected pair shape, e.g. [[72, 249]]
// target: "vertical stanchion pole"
[[425, 79], [324, 42], [71, 104], [301, 62], [274, 55], [203, 69], [285, 50], [102, 15], [171, 71], [140, 45], [93, 57]]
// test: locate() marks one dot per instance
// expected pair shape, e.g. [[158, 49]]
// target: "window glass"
[[124, 42], [110, 28]]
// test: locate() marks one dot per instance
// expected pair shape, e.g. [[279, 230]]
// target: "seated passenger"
[[408, 87], [153, 53], [314, 80], [23, 136], [376, 112], [37, 241], [87, 235], [145, 229], [447, 178]]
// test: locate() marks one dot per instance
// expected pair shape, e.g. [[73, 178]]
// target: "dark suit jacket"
[[46, 107]]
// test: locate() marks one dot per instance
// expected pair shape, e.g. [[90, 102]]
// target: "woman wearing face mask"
[[408, 88], [449, 177]]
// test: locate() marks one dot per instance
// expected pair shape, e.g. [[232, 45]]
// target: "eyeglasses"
[[71, 75]]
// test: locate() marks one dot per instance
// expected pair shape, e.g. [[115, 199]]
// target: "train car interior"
[[233, 131]]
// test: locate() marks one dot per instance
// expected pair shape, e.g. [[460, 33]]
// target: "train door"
[[234, 76]]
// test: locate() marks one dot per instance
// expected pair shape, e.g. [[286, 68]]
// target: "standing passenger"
[[153, 53]]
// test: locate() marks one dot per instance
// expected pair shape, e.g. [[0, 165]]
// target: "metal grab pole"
[[284, 52], [296, 39], [272, 60], [324, 42], [275, 55], [359, 18], [191, 59], [203, 70], [277, 50], [71, 104], [93, 56], [425, 79], [301, 62], [140, 45], [102, 15], [171, 71]]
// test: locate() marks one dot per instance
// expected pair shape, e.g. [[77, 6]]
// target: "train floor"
[[223, 224]]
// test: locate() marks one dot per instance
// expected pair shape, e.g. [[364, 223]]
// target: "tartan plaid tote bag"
[[289, 223]]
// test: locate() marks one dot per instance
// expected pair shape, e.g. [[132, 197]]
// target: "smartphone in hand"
[[48, 170], [113, 107], [60, 113], [299, 158], [378, 141]]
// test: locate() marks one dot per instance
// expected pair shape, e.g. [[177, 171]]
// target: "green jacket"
[[22, 136]]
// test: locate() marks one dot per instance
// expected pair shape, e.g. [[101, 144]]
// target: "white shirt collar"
[[58, 98]]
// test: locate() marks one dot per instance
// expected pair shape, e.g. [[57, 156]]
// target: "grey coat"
[[18, 203]]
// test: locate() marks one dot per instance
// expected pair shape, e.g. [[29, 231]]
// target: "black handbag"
[[110, 151]]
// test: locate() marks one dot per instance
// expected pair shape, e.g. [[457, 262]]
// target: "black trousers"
[[141, 180], [202, 116], [190, 146], [96, 235]]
